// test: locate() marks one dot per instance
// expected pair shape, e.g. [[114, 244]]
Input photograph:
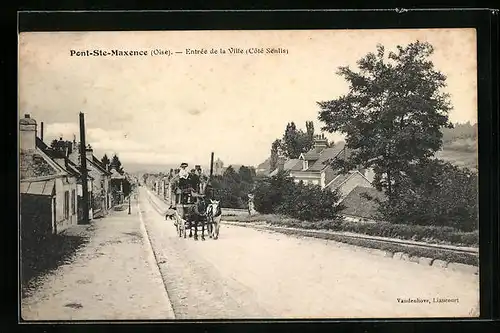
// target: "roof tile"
[[32, 164]]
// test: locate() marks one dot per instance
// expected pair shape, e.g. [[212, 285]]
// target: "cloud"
[[100, 139]]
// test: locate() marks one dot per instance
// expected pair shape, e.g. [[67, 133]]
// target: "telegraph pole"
[[83, 166], [211, 165]]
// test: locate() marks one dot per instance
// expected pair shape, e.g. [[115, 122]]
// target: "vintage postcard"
[[248, 174]]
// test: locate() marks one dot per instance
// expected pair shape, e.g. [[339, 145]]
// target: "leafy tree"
[[275, 152], [308, 137], [436, 193], [296, 141], [270, 192], [246, 174], [279, 194], [392, 114]]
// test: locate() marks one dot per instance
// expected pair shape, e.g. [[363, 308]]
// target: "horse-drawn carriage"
[[191, 210]]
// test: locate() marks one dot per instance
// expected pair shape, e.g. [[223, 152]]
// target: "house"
[[60, 154], [101, 200], [117, 181], [48, 191], [313, 167], [362, 203]]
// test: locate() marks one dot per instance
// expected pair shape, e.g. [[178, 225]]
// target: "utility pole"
[[211, 165], [83, 167]]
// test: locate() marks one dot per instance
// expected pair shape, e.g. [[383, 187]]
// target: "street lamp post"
[[129, 204]]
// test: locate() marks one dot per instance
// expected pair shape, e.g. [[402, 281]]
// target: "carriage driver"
[[183, 176]]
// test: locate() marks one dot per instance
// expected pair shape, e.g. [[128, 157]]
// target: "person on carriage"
[[184, 188], [183, 176], [194, 180]]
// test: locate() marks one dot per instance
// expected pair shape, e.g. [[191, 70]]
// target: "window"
[[305, 165], [66, 204], [73, 202]]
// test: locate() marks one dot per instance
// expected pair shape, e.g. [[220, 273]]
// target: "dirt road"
[[255, 274], [113, 277]]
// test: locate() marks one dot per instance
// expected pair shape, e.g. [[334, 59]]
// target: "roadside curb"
[[399, 255], [155, 260]]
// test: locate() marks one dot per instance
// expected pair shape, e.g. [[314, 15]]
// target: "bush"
[[280, 195], [271, 192]]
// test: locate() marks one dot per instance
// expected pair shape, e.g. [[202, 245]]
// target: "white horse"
[[214, 215]]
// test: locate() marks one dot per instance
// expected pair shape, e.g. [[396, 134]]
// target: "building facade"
[[48, 187]]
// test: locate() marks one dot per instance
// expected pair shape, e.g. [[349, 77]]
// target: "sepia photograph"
[[248, 174]]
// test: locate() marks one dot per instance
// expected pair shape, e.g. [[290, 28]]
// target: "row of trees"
[[233, 187]]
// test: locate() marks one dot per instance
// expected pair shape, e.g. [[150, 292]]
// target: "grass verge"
[[427, 234]]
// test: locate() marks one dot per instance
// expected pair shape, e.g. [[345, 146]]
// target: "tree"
[[245, 174], [275, 152], [230, 173], [436, 193], [392, 114], [296, 141], [116, 164], [279, 194], [105, 160], [309, 136]]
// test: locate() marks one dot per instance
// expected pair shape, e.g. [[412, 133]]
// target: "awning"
[[45, 187]]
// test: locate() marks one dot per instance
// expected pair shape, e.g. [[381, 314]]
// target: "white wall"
[[61, 187]]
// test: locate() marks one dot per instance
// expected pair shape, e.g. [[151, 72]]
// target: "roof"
[[96, 161], [289, 165], [116, 175], [358, 205], [326, 155], [68, 166], [45, 187], [34, 163], [311, 155], [338, 180], [98, 165], [72, 168]]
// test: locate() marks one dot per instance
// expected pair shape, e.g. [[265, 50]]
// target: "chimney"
[[320, 143], [89, 152], [27, 133], [41, 131]]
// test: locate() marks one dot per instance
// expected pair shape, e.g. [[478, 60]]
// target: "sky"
[[180, 108]]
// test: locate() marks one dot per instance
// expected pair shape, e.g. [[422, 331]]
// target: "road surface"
[[256, 274]]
